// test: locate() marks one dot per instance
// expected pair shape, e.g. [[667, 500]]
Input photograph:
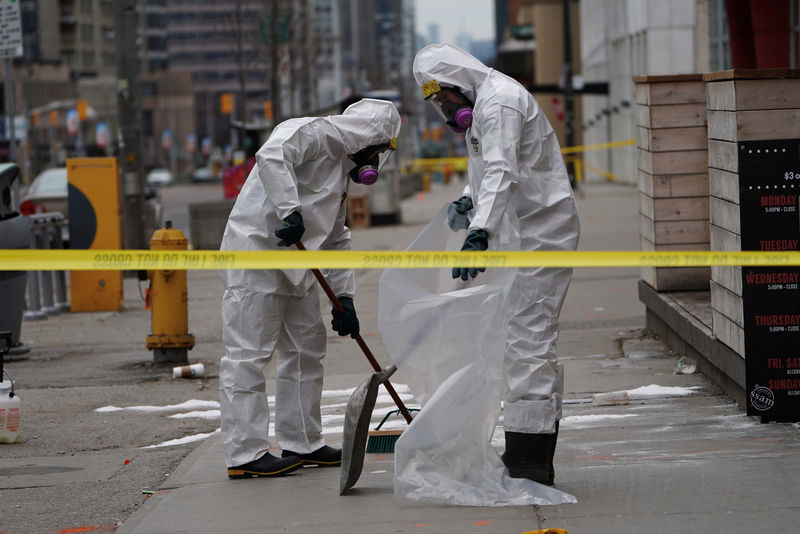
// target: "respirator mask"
[[370, 161], [457, 116], [452, 105]]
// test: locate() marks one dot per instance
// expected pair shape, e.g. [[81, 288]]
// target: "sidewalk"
[[680, 457]]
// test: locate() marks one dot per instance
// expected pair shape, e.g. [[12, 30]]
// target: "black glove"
[[463, 205], [476, 240], [292, 230], [457, 213], [347, 323]]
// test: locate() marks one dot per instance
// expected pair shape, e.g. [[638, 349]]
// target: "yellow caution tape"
[[609, 176], [123, 260], [438, 164], [599, 146], [547, 531], [460, 164]]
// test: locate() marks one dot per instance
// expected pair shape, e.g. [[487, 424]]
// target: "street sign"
[[20, 127], [83, 109], [10, 29], [73, 121]]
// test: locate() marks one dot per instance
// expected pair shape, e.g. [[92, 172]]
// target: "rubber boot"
[[325, 456], [531, 456], [266, 466]]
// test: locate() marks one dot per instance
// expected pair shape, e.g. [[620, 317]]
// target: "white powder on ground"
[[653, 390], [184, 440], [193, 404], [594, 417], [199, 414]]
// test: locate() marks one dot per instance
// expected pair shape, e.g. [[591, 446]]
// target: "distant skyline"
[[473, 17]]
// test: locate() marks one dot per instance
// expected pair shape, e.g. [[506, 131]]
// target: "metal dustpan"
[[357, 417]]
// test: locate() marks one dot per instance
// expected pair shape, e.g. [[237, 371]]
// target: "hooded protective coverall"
[[302, 167], [515, 162]]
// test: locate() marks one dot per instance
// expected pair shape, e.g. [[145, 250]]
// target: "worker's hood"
[[449, 66], [366, 123]]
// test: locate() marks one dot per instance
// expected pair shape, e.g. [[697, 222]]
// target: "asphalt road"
[[77, 467]]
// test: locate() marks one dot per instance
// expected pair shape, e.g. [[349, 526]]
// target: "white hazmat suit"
[[515, 162], [302, 167]]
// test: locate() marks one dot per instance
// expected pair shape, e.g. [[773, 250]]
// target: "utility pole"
[[310, 56], [275, 77], [569, 97], [130, 160], [242, 64]]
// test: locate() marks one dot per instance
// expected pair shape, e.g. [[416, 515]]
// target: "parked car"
[[159, 177], [203, 174], [47, 193]]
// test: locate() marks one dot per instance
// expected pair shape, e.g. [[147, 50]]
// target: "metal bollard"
[[59, 277], [46, 277], [34, 312], [47, 292]]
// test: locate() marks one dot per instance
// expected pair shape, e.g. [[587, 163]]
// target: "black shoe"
[[531, 456], [266, 466], [325, 456]]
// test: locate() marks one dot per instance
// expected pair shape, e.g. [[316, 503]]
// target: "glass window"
[[720, 41], [794, 17], [87, 33], [50, 181], [147, 122]]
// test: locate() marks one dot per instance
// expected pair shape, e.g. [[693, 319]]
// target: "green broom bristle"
[[382, 441]]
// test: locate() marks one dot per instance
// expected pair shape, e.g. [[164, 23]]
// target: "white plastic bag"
[[447, 339]]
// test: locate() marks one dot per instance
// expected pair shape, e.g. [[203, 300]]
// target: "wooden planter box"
[[673, 175], [358, 212], [743, 105]]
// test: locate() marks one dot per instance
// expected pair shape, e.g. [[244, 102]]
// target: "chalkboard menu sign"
[[769, 186]]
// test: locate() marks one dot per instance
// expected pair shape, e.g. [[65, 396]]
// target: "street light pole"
[[125, 26]]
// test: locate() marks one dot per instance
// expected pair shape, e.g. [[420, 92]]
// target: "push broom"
[[378, 440]]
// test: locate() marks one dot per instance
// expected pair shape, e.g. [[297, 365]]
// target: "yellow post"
[[579, 170], [170, 338]]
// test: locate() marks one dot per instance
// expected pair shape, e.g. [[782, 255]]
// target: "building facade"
[[625, 38], [621, 39]]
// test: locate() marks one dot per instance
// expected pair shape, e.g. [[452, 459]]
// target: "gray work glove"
[[457, 218]]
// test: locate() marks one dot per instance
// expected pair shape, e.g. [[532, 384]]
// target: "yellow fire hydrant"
[[170, 338]]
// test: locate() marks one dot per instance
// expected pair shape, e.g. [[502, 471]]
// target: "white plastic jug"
[[10, 411]]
